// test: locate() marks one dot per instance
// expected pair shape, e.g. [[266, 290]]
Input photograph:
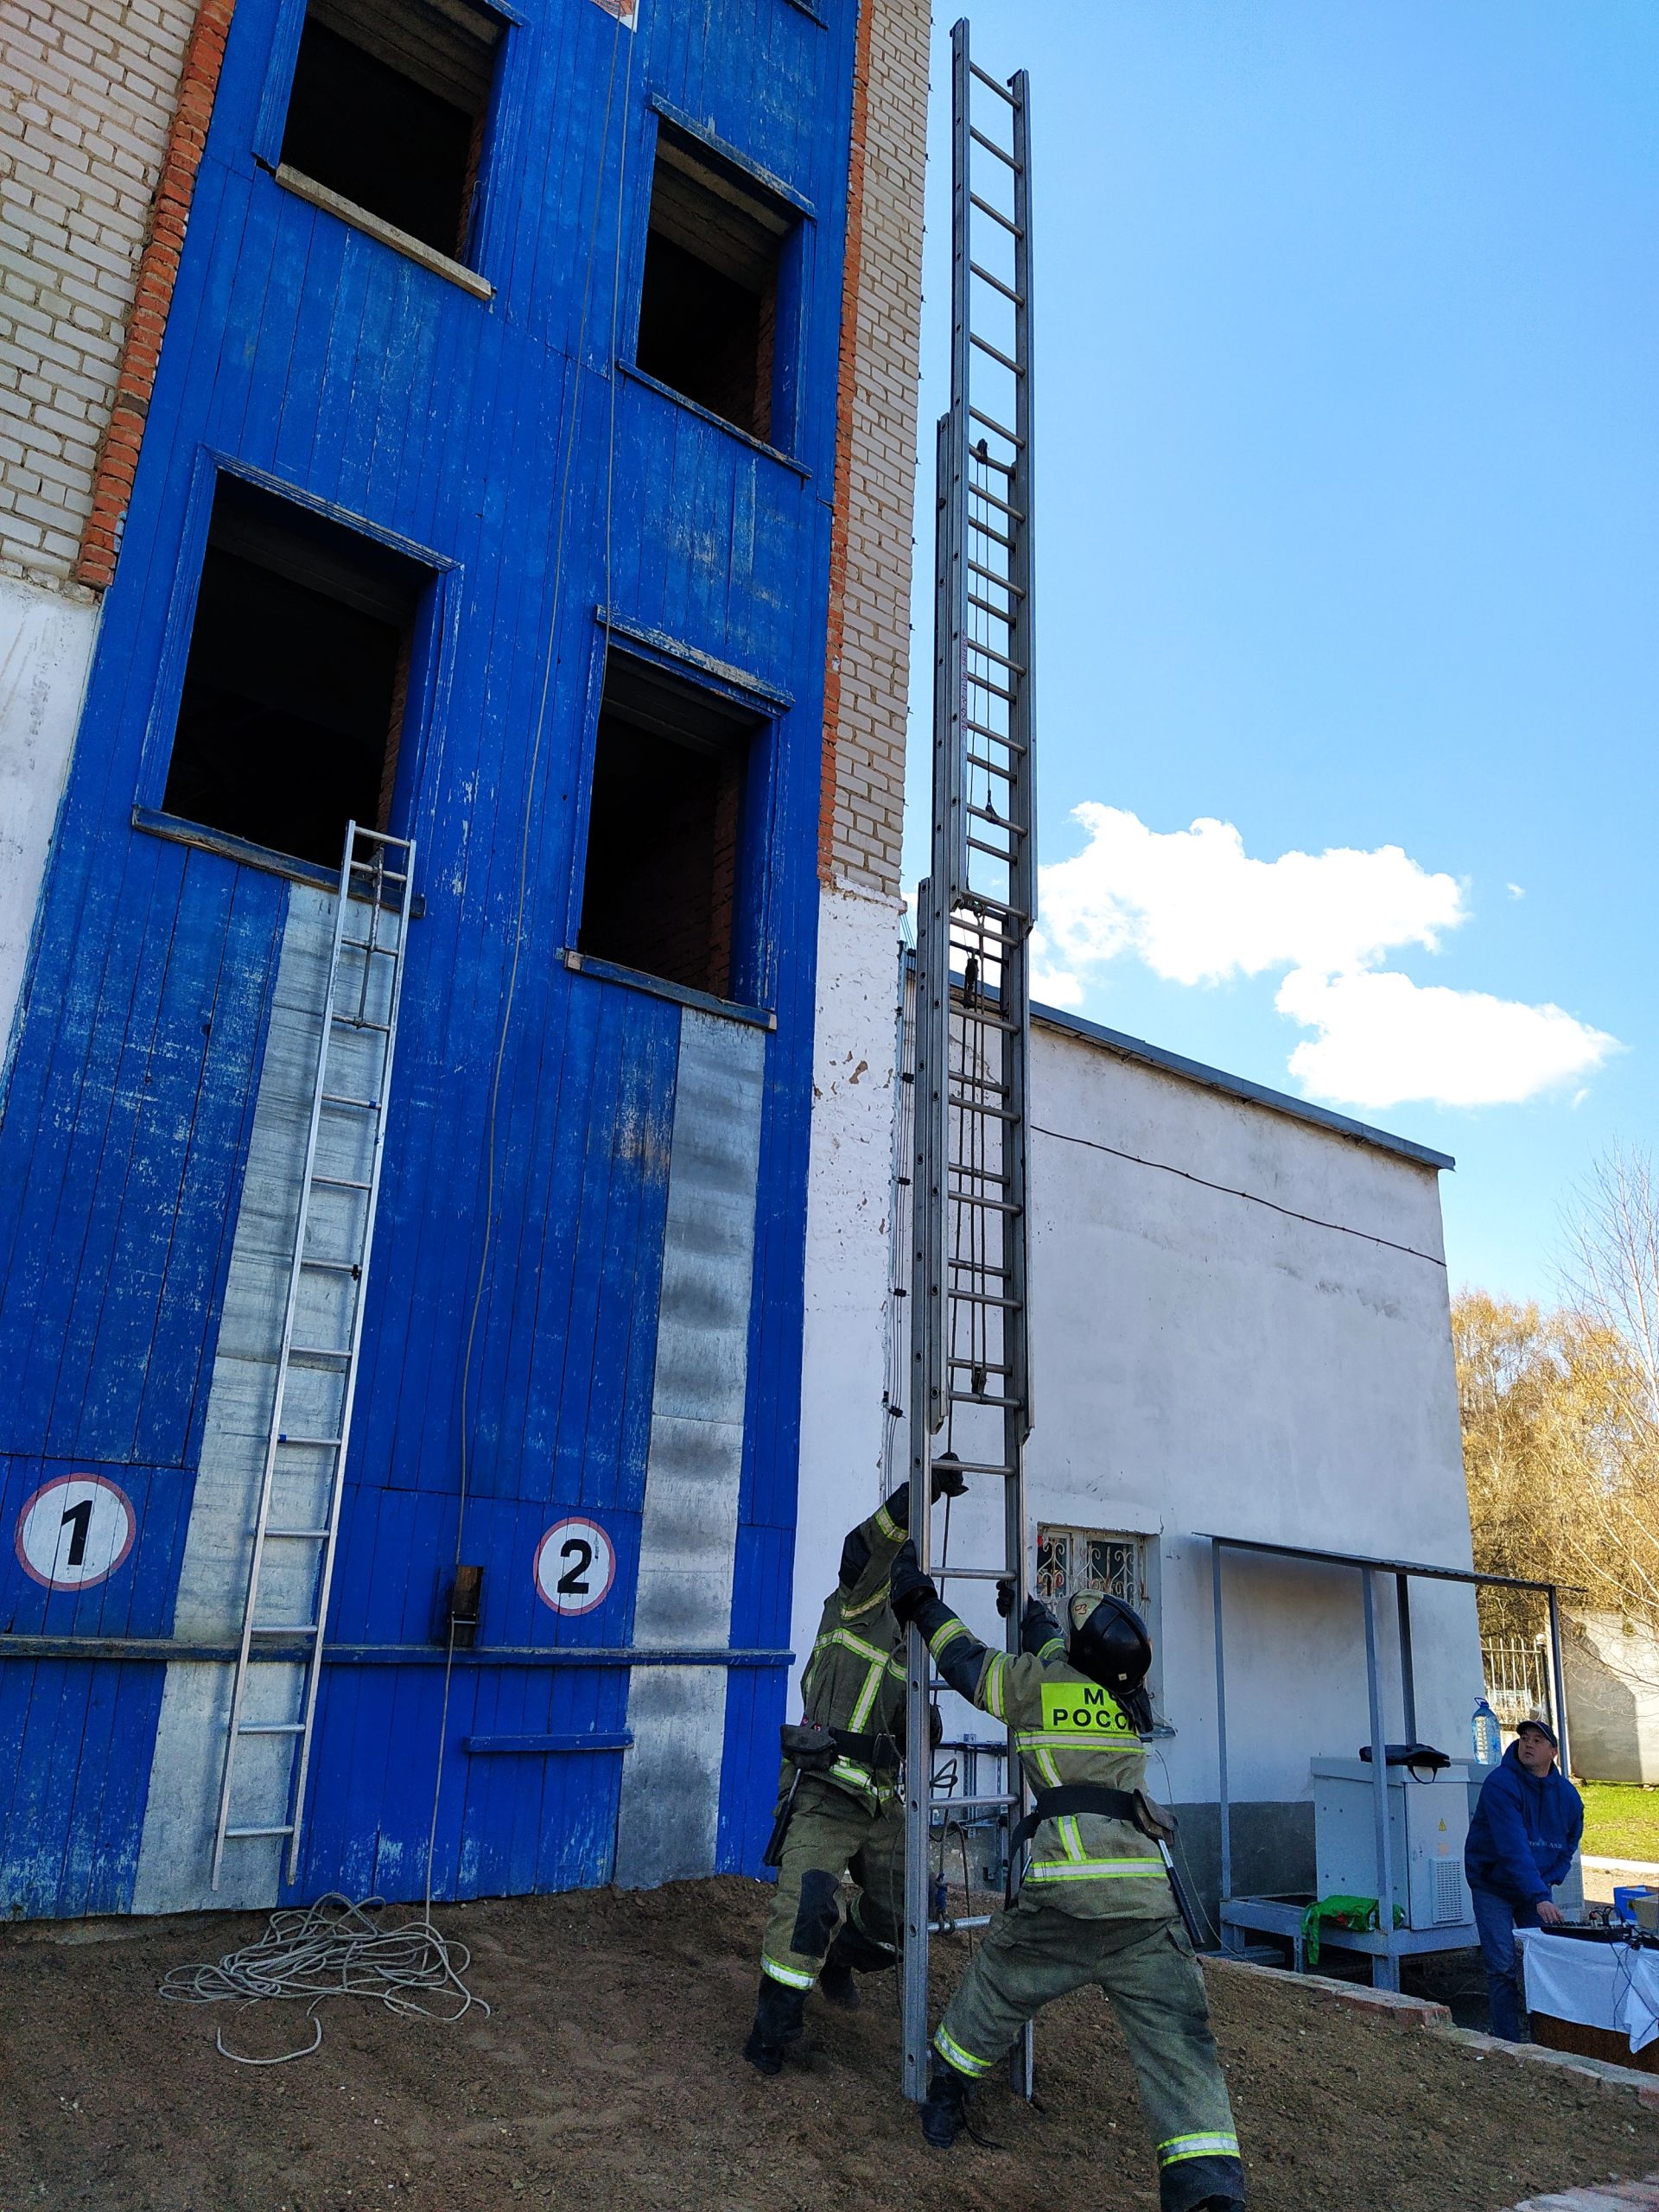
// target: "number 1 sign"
[[74, 1531], [576, 1566]]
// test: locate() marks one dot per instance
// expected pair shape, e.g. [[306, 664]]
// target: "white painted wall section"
[[1240, 1324], [46, 648], [847, 1292]]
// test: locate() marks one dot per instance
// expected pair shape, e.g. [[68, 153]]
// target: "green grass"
[[1621, 1820]]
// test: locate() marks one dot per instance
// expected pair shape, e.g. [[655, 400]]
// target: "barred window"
[[1071, 1559]]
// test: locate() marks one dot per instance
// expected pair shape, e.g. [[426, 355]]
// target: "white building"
[[1240, 1326]]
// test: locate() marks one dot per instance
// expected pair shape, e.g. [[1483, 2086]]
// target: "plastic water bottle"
[[1482, 1727]]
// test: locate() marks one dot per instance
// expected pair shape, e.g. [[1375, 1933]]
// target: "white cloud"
[[1197, 909], [1384, 1040]]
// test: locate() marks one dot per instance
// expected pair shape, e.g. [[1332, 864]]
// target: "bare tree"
[[1611, 1270]]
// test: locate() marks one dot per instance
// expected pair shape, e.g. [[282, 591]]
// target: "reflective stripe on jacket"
[[855, 1676], [1066, 1729]]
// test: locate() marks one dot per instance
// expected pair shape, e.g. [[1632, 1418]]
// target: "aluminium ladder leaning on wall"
[[969, 1384]]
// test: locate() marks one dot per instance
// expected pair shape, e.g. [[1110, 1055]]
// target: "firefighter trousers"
[[1034, 1953], [831, 1834]]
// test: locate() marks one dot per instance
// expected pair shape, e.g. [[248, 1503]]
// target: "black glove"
[[909, 1589], [949, 1481], [1005, 1596]]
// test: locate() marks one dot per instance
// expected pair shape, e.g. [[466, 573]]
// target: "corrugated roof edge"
[[1236, 1086]]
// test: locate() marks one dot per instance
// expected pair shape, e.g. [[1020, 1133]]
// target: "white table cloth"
[[1610, 1986]]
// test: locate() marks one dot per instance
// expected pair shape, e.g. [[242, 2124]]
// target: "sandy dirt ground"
[[607, 2078]]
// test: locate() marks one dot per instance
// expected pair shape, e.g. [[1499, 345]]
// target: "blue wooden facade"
[[506, 444]]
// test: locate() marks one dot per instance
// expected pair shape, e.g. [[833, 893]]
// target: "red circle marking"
[[68, 1482], [562, 1528]]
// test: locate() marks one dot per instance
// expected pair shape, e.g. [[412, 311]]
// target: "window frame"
[[431, 654], [790, 323], [501, 125], [754, 890]]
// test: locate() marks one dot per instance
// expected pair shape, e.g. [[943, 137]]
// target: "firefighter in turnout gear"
[[1097, 1903], [838, 1804]]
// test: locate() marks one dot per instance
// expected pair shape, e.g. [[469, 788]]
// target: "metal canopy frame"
[[1391, 1944]]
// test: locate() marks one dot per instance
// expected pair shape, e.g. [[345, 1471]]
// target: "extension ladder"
[[296, 1522], [970, 1389]]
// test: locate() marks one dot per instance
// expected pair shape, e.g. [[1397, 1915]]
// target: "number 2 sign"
[[576, 1566], [74, 1531]]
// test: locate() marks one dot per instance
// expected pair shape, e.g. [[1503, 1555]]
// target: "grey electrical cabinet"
[[1428, 1822]]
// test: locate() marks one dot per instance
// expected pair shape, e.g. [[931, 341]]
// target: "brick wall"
[[868, 671], [88, 95]]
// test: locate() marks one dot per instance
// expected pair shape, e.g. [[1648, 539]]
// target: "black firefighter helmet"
[[1109, 1644]]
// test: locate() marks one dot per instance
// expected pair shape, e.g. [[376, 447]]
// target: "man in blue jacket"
[[1521, 1844]]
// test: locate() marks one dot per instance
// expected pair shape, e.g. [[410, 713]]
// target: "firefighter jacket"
[[1066, 1729], [855, 1680]]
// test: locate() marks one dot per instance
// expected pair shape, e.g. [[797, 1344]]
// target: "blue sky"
[[1348, 494]]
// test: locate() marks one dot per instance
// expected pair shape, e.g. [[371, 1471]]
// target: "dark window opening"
[[708, 308], [297, 679], [663, 886], [389, 106]]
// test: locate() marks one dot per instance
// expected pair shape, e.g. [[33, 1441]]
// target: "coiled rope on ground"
[[333, 1948]]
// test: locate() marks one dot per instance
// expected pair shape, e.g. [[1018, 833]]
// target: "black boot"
[[836, 1982], [945, 2113], [851, 1953], [777, 2024]]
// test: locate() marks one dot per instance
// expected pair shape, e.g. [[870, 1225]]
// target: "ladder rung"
[[339, 1098], [978, 1366], [318, 1351], [991, 851], [283, 1628], [974, 1106], [999, 1798], [241, 1835], [1004, 615], [992, 577], [972, 1573], [967, 1297], [991, 147], [993, 767], [1007, 290], [298, 1535], [355, 1022], [994, 499], [986, 683], [989, 422], [990, 531], [996, 736], [991, 1405], [983, 1467], [373, 867], [997, 821], [1001, 90], [335, 1266], [340, 1183], [362, 944], [990, 653], [319, 1443], [270, 1727], [996, 216]]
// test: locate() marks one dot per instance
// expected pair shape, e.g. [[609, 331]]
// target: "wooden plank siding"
[[494, 439]]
